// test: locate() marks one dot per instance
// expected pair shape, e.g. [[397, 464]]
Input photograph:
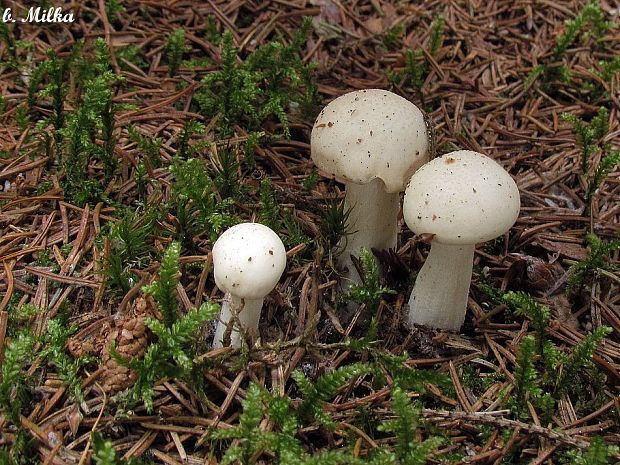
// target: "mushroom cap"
[[369, 134], [248, 260], [462, 197]]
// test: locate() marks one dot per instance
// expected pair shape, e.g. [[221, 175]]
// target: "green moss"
[[175, 48], [264, 85]]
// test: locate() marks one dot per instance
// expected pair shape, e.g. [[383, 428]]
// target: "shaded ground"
[[56, 242]]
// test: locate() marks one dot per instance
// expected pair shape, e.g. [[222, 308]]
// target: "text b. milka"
[[39, 15]]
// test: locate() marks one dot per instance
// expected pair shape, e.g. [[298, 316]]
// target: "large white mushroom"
[[463, 198], [248, 260], [374, 140]]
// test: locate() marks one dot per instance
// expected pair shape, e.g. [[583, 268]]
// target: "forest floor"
[[143, 124]]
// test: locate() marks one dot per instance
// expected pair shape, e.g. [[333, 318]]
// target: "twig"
[[435, 415]]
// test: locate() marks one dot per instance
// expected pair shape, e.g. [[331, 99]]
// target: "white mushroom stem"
[[373, 220], [247, 313], [439, 297]]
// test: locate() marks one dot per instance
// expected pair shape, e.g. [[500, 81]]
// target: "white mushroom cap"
[[248, 260], [369, 134], [462, 197]]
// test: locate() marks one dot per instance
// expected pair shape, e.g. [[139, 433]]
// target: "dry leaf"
[[375, 25], [569, 250], [74, 418], [330, 13]]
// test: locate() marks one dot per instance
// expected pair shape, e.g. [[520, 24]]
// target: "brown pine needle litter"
[[135, 128]]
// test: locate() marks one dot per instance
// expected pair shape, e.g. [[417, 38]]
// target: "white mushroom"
[[374, 140], [248, 260], [463, 198]]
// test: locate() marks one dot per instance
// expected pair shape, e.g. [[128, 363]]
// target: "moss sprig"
[[164, 289], [407, 451], [171, 355], [596, 264], [315, 393], [175, 48], [194, 202], [17, 356], [266, 84]]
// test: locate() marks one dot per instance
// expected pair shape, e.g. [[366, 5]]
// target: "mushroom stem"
[[439, 297], [247, 312], [372, 223]]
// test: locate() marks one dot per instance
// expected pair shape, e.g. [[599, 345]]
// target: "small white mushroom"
[[463, 198], [374, 140], [248, 260]]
